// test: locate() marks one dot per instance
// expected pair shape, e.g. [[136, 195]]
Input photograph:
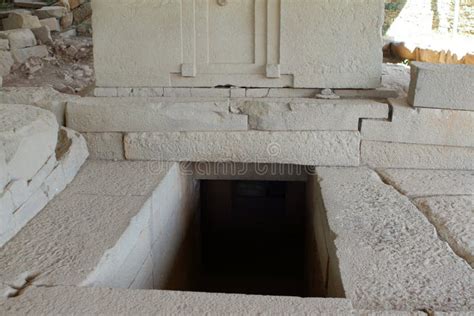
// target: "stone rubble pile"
[[37, 161], [26, 31]]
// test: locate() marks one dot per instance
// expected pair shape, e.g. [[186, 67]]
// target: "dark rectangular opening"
[[253, 238]]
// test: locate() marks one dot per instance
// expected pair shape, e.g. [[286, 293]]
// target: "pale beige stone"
[[389, 257], [442, 86], [105, 146], [21, 55], [52, 24], [422, 126], [20, 38], [237, 44], [316, 115], [20, 21], [51, 12], [306, 148], [453, 217], [6, 63], [90, 301], [150, 114], [413, 156]]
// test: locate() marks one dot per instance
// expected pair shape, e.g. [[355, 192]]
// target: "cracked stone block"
[[389, 255], [306, 148], [442, 86], [419, 183], [149, 114], [29, 136], [453, 217], [316, 115], [422, 126]]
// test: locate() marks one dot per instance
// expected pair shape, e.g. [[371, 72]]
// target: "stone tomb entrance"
[[224, 228]]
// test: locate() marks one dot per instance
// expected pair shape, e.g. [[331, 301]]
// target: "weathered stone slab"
[[453, 217], [44, 97], [21, 55], [305, 148], [316, 115], [43, 35], [151, 115], [93, 301], [52, 24], [51, 12], [418, 183], [389, 256], [105, 146], [442, 86], [6, 63], [29, 136], [411, 156], [19, 38], [422, 126]]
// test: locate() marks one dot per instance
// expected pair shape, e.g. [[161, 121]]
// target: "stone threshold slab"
[[388, 254], [301, 148]]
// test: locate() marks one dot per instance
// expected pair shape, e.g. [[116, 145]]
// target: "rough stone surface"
[[76, 228], [4, 44], [50, 12], [422, 126], [419, 183], [21, 55], [43, 35], [237, 43], [43, 97], [20, 21], [52, 24], [411, 156], [299, 115], [29, 136], [6, 63], [105, 146], [453, 217], [305, 148], [20, 38], [23, 200], [389, 256], [154, 115], [90, 301], [442, 86]]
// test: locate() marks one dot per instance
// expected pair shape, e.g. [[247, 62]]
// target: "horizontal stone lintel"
[[302, 148]]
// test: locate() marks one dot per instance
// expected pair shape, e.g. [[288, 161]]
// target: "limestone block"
[[92, 301], [386, 249], [21, 55], [410, 156], [419, 183], [305, 148], [4, 176], [7, 224], [30, 209], [105, 146], [4, 44], [74, 154], [6, 62], [237, 93], [453, 217], [442, 86], [29, 136], [422, 126], [44, 97], [317, 115], [21, 190], [113, 115], [52, 24], [239, 44], [50, 12], [43, 35], [19, 38], [20, 21]]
